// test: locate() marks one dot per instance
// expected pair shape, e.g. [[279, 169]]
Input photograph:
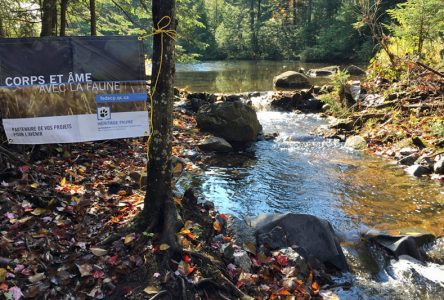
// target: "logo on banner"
[[103, 113]]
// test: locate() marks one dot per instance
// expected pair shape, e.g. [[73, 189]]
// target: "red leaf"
[[282, 260]]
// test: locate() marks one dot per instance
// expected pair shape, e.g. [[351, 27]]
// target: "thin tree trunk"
[[295, 11], [92, 10], [254, 42], [49, 18], [2, 29], [309, 11], [63, 9], [159, 213]]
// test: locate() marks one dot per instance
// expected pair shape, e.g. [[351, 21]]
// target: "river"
[[302, 173]]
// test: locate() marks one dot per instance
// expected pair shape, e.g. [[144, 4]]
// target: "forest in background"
[[310, 30]]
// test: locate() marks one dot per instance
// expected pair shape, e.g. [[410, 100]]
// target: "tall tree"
[[63, 9], [93, 18], [49, 18], [159, 213]]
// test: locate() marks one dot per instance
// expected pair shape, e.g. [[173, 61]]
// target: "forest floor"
[[58, 211], [402, 121]]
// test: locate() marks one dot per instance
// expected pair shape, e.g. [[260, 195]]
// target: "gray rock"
[[418, 170], [228, 251], [356, 142], [291, 79], [275, 239], [404, 244], [233, 121], [296, 260], [326, 107], [355, 71], [438, 167], [240, 231], [322, 72], [407, 151], [409, 160], [435, 251], [315, 236], [216, 144], [242, 260], [346, 124]]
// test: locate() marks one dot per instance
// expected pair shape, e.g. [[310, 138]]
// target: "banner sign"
[[72, 89]]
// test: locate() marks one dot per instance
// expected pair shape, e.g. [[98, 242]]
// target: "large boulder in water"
[[315, 236], [291, 79], [323, 72], [233, 121]]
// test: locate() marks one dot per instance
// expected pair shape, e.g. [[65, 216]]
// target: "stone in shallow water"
[[418, 170], [216, 144], [356, 142], [314, 235]]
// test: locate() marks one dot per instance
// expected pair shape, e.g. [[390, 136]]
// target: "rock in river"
[[439, 167], [291, 79], [356, 142], [233, 121], [315, 236], [321, 72], [404, 244], [418, 170], [216, 144]]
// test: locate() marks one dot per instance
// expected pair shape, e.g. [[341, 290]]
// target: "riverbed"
[[302, 173]]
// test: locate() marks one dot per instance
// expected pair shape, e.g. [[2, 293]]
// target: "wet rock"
[[315, 236], [425, 161], [242, 260], [439, 143], [291, 79], [418, 170], [233, 121], [407, 151], [355, 71], [240, 231], [275, 239], [322, 72], [438, 167], [417, 141], [404, 244], [216, 144], [435, 251], [356, 142], [409, 160]]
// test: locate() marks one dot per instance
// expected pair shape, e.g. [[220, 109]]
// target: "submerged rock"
[[313, 235], [322, 72], [356, 142], [291, 79], [404, 244], [216, 144], [233, 121]]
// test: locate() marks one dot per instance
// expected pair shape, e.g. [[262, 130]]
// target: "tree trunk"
[[254, 42], [92, 10], [2, 29], [63, 9], [295, 11], [159, 213], [309, 11], [49, 18]]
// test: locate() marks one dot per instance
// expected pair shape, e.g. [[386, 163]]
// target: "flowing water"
[[302, 173]]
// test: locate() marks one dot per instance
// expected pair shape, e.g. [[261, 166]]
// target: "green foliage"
[[336, 109], [436, 128]]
